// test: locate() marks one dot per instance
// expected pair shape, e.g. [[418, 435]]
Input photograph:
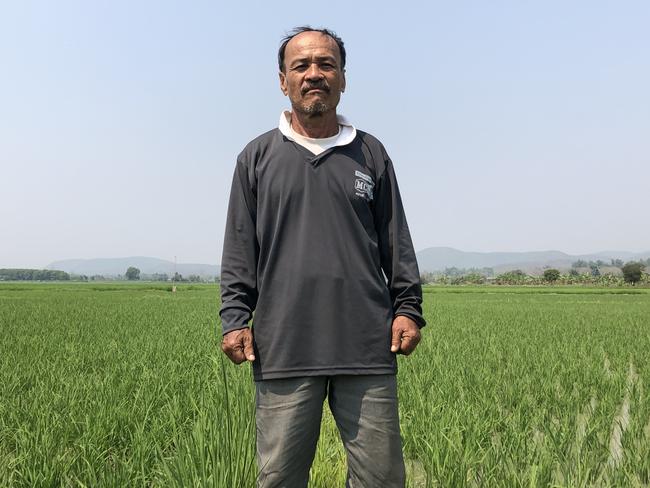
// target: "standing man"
[[317, 245]]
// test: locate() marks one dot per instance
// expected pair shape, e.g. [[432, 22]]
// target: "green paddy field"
[[124, 385]]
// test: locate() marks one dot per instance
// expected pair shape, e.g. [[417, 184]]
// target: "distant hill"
[[438, 258], [431, 259], [118, 266]]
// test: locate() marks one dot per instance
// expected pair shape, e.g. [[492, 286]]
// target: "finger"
[[248, 346], [396, 339], [234, 350], [236, 355], [408, 344]]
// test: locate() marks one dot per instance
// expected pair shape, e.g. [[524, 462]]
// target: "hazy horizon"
[[512, 127], [146, 256]]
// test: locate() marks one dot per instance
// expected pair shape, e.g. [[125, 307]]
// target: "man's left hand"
[[405, 335]]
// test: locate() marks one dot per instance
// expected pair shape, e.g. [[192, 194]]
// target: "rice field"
[[114, 385]]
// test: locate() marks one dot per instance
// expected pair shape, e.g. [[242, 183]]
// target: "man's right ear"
[[283, 82]]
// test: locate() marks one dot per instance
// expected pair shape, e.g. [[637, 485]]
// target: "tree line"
[[14, 274], [131, 274], [632, 272]]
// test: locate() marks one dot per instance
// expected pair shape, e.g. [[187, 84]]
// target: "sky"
[[512, 125]]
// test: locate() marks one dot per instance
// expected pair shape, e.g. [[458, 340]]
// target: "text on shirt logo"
[[363, 185]]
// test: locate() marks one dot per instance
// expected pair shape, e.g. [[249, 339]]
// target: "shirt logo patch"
[[363, 186]]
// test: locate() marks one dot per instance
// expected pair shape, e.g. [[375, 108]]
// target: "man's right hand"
[[238, 345]]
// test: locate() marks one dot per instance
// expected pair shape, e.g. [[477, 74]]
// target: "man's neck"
[[315, 126]]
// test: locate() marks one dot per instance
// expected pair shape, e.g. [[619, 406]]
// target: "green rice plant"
[[219, 450], [515, 387], [125, 385]]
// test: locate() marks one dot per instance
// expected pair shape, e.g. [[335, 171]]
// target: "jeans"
[[288, 416]]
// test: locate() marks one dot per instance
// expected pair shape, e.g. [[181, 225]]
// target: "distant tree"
[[595, 271], [427, 277], [617, 263], [580, 263], [132, 273], [489, 272], [551, 275], [573, 272], [442, 279], [514, 277], [194, 278], [632, 272], [473, 279], [178, 277], [453, 271]]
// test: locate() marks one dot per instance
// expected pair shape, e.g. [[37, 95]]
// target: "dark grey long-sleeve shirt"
[[307, 244]]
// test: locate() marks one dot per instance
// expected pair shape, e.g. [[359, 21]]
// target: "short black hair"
[[306, 28]]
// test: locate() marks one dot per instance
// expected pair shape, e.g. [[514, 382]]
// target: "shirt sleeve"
[[240, 253], [396, 248]]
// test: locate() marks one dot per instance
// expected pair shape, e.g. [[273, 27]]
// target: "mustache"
[[316, 86]]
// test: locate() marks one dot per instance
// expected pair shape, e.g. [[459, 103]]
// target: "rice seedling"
[[125, 385]]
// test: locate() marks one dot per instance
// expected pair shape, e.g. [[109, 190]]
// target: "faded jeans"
[[288, 416]]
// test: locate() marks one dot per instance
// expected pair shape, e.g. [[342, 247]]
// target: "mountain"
[[146, 265], [431, 259], [438, 258]]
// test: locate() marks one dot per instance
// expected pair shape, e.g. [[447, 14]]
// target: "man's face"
[[312, 78]]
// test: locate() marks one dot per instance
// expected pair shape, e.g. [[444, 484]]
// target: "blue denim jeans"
[[288, 416]]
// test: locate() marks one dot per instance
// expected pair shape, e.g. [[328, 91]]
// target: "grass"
[[125, 385]]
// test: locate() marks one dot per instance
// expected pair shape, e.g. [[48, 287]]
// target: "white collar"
[[346, 135]]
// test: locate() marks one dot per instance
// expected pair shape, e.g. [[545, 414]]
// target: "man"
[[315, 220]]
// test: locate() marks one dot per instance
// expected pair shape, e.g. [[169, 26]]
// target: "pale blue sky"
[[512, 125]]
